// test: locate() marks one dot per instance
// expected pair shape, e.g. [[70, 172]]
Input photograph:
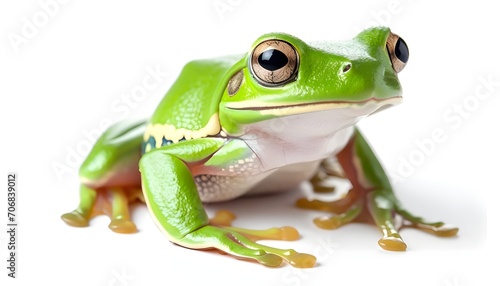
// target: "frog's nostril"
[[346, 68]]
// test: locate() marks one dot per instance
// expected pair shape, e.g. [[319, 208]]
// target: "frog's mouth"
[[290, 109]]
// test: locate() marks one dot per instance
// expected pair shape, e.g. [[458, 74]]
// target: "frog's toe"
[[75, 218], [288, 233], [223, 218], [294, 258], [439, 229], [337, 220], [445, 230], [342, 205], [392, 243], [122, 226], [302, 260], [328, 222], [269, 260]]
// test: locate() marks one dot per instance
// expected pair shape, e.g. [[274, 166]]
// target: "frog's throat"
[[291, 109], [170, 132]]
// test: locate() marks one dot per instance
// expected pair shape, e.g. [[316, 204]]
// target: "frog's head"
[[330, 85]]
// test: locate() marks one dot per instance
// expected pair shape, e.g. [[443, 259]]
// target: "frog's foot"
[[329, 168], [320, 184], [80, 216], [437, 228], [345, 210], [374, 206], [111, 202], [75, 218], [241, 242]]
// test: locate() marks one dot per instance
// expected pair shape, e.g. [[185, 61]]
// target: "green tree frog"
[[283, 113]]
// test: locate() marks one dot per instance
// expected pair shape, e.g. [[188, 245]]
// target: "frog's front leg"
[[371, 199], [172, 198]]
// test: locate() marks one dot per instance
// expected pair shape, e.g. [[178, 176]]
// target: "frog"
[[265, 121]]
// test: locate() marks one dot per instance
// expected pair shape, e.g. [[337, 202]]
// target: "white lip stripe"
[[283, 110]]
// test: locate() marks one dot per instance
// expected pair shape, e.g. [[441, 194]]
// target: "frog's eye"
[[274, 62], [398, 52]]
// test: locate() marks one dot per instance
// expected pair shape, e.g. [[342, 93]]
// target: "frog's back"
[[190, 107]]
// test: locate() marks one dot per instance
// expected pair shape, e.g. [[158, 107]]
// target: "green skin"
[[220, 133]]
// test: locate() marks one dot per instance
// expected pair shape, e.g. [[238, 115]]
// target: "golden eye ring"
[[398, 52], [274, 63]]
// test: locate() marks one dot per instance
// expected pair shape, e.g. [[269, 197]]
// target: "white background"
[[75, 70]]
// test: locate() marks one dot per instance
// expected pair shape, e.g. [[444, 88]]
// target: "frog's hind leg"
[[371, 199], [110, 179]]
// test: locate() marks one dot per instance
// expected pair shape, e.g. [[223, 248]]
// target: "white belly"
[[286, 178], [216, 188]]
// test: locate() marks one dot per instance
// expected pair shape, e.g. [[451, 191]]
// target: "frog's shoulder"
[[190, 107]]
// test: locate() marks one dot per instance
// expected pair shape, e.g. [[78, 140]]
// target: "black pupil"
[[401, 50], [272, 59]]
